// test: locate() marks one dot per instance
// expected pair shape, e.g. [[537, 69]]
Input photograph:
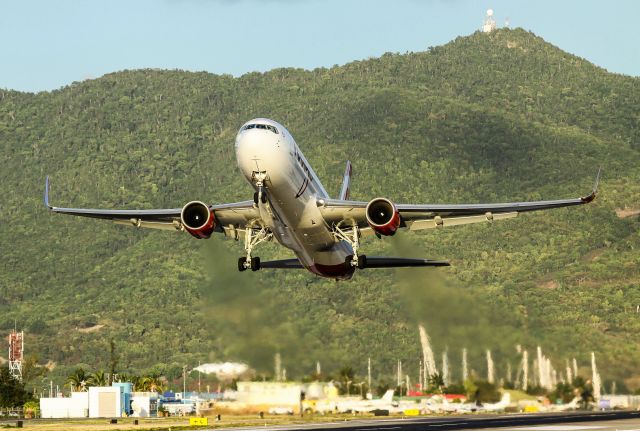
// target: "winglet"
[[46, 193], [594, 192]]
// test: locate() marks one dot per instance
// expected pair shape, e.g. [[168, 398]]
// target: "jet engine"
[[198, 219], [383, 216]]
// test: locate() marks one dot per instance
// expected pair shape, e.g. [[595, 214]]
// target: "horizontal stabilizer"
[[401, 262]]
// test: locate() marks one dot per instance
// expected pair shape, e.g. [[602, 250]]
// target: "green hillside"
[[504, 116]]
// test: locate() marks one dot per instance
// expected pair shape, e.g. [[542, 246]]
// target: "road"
[[574, 421]]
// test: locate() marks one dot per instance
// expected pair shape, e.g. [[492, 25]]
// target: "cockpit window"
[[261, 126]]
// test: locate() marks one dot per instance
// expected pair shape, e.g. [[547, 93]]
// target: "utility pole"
[[198, 377], [184, 382], [369, 375]]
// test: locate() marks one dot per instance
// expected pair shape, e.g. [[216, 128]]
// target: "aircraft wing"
[[429, 216], [227, 215]]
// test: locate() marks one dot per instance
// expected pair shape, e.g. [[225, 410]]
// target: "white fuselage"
[[268, 151]]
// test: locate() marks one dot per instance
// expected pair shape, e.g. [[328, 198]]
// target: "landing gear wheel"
[[255, 198], [348, 262], [255, 263], [263, 196], [362, 261], [241, 262]]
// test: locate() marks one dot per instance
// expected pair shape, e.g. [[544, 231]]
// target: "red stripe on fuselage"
[[332, 271]]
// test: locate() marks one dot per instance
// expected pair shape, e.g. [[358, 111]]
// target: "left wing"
[[427, 216], [229, 216]]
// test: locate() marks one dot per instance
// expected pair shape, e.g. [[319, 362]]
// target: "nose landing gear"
[[260, 196]]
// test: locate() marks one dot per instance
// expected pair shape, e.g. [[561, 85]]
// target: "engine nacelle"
[[383, 216], [198, 219]]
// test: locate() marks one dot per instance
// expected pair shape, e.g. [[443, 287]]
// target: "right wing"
[[338, 212], [232, 217]]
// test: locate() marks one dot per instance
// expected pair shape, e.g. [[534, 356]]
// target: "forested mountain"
[[487, 117]]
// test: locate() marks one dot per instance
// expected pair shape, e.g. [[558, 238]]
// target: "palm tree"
[[99, 378], [79, 380], [153, 382]]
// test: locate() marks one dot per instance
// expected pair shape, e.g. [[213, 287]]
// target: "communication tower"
[[489, 23], [16, 351]]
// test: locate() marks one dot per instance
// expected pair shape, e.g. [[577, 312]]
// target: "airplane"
[[291, 206], [357, 405]]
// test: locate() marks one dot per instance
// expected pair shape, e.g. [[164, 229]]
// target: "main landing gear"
[[253, 237], [353, 238]]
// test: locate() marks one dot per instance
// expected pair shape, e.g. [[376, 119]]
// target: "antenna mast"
[[16, 351]]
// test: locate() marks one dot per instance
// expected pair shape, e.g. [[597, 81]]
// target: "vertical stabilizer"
[[346, 183]]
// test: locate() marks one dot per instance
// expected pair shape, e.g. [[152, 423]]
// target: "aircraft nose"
[[256, 143], [258, 150]]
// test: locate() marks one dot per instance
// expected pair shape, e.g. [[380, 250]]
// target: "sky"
[[47, 44]]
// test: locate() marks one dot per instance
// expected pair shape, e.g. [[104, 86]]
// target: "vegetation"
[[12, 392], [488, 117]]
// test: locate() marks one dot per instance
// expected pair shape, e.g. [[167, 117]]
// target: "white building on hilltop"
[[489, 23]]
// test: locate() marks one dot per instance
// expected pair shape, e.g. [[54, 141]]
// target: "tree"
[[31, 370], [99, 378], [79, 380], [113, 359], [12, 392], [485, 393], [436, 383]]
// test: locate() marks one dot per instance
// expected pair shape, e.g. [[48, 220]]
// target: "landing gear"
[[255, 263], [253, 237], [260, 195], [361, 261], [259, 178], [353, 238]]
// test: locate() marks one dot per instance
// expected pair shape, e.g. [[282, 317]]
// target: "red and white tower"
[[16, 352]]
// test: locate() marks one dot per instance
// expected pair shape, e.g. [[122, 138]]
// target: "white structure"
[[105, 402], [144, 404], [224, 370], [489, 23], [77, 406], [269, 393]]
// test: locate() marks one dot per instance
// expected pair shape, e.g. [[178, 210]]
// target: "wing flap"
[[438, 221], [137, 222]]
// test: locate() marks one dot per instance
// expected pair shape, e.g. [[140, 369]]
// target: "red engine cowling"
[[198, 219], [383, 216]]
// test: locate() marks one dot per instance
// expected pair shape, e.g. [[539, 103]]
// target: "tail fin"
[[388, 396], [346, 183]]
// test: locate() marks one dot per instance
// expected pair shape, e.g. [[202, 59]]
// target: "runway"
[[573, 421]]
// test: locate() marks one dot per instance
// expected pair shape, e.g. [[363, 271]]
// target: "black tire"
[[255, 263], [362, 261], [241, 262], [255, 198], [264, 196], [347, 261]]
